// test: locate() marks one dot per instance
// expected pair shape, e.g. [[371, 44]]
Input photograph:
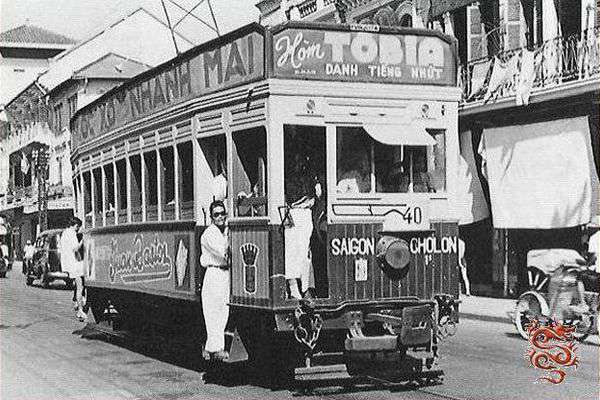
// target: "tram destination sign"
[[229, 61], [363, 57]]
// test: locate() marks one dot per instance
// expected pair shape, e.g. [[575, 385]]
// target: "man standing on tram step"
[[300, 195], [72, 263], [215, 258]]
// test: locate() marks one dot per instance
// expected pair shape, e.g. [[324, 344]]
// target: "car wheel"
[[29, 281], [3, 274], [70, 284]]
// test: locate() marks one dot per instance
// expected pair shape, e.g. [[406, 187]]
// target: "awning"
[[471, 203], [3, 230], [395, 135], [541, 176]]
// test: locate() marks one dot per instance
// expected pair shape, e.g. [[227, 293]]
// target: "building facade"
[[35, 136], [528, 121]]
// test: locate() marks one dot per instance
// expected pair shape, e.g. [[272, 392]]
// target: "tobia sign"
[[363, 57]]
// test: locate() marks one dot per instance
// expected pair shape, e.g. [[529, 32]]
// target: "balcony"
[[555, 65], [59, 196], [18, 138]]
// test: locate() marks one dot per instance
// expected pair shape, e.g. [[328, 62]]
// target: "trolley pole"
[[41, 170]]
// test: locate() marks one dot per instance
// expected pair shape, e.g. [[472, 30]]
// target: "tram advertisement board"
[[153, 260], [363, 57], [229, 61]]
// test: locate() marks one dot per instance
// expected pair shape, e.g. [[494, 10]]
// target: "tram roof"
[[266, 56]]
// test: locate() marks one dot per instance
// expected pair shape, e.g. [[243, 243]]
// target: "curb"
[[487, 318]]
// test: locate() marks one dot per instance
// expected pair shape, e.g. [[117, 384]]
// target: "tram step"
[[372, 343], [321, 372]]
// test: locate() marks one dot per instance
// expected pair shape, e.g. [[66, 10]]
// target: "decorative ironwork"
[[307, 328], [555, 62]]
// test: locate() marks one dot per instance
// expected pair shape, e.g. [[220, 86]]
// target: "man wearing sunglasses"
[[215, 258]]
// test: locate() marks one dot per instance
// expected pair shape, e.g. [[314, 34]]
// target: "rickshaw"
[[563, 288]]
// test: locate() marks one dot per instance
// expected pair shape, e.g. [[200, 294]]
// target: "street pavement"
[[44, 354]]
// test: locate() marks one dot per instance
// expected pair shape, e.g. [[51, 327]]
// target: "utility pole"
[[41, 156]]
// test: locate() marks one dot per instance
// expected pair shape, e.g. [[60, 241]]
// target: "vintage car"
[[46, 261]]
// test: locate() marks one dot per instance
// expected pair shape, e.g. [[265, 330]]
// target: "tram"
[[369, 113]]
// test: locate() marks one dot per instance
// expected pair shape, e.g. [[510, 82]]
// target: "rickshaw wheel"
[[529, 307]]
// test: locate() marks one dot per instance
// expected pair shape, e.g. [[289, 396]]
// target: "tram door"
[[305, 184]]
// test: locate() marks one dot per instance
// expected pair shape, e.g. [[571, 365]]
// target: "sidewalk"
[[486, 308]]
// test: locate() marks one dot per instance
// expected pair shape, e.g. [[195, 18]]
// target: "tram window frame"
[[135, 160], [167, 163], [249, 172], [98, 195], [151, 185], [87, 197], [109, 196], [186, 180], [377, 160], [214, 150], [121, 166]]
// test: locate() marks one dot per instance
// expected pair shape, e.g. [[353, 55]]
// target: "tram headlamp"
[[393, 255]]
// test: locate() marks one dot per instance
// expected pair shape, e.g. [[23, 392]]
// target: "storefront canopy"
[[541, 176], [396, 135], [471, 203]]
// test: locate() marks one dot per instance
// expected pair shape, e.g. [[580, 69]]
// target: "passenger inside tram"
[[363, 161], [304, 177]]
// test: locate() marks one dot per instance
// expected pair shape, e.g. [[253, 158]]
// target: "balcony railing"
[[521, 72], [18, 138], [28, 195]]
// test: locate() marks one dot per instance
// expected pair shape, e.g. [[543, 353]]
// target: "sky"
[[79, 19]]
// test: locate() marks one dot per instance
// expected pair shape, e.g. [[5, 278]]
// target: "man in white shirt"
[[219, 184], [29, 251], [215, 287], [71, 263]]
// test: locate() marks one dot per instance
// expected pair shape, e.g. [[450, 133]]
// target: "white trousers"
[[297, 246], [215, 296]]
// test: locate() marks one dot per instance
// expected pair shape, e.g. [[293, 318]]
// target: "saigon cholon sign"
[[363, 57], [232, 63]]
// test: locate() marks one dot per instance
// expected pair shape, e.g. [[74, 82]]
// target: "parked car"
[[46, 260]]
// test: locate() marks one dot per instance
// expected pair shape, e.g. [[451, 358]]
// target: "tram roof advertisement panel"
[[228, 61], [364, 53]]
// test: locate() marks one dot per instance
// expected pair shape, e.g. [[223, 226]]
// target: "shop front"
[[537, 167]]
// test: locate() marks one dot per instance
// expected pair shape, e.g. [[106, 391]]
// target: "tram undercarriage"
[[304, 347]]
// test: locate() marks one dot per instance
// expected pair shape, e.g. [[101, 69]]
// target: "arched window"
[[406, 20]]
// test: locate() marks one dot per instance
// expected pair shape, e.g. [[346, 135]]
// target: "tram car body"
[[266, 106]]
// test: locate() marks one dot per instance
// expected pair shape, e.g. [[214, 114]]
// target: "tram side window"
[[122, 190], [151, 186], [136, 187], [109, 200], [98, 193], [249, 175], [368, 166], [186, 180], [214, 150], [168, 183], [87, 197]]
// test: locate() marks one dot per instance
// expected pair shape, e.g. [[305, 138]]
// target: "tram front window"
[[366, 165]]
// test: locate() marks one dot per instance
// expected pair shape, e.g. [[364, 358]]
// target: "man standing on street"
[[29, 250], [71, 262]]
